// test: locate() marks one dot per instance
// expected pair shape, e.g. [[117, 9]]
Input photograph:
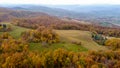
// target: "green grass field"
[[82, 36], [16, 31], [66, 37]]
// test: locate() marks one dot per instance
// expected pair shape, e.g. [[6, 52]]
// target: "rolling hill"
[[51, 11], [95, 13], [90, 13], [66, 37], [7, 14], [80, 36]]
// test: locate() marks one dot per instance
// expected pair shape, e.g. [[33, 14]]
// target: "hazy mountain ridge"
[[97, 14], [7, 14], [51, 11], [92, 13]]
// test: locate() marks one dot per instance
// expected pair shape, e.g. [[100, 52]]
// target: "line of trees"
[[56, 23]]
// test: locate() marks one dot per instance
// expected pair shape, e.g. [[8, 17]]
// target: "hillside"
[[43, 8], [7, 14], [80, 36], [66, 36], [31, 54], [34, 36], [95, 14]]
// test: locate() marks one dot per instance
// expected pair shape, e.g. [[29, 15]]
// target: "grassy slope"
[[83, 36], [16, 32], [65, 43], [66, 36], [68, 46]]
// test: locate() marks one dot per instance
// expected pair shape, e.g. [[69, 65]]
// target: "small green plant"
[[99, 38]]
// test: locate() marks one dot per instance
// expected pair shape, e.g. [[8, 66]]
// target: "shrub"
[[42, 34], [113, 43]]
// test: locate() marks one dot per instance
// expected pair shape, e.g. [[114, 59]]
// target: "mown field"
[[66, 37]]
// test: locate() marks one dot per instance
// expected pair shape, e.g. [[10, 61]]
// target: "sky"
[[59, 2]]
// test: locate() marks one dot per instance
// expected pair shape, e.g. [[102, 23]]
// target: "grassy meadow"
[[66, 37]]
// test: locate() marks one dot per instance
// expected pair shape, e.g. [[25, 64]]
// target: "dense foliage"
[[113, 43], [59, 58], [100, 39], [112, 32], [5, 27], [45, 21], [15, 54], [66, 25], [42, 34]]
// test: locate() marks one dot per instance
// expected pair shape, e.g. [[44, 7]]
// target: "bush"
[[4, 27], [42, 34], [99, 38], [113, 43]]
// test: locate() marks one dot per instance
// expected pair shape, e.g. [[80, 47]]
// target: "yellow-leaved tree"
[[113, 43], [42, 34]]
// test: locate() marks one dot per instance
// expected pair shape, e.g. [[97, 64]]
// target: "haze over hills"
[[30, 17], [99, 14], [51, 11], [7, 14], [104, 15]]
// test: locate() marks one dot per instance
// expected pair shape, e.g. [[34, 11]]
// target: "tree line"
[[56, 23]]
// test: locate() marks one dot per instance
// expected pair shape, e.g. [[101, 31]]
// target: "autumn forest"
[[44, 37]]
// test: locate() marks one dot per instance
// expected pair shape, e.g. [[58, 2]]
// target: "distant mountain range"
[[7, 14], [100, 14], [51, 11]]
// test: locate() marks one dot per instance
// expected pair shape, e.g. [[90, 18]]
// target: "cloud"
[[60, 2]]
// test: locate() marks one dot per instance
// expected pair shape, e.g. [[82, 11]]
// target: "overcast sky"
[[58, 2]]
